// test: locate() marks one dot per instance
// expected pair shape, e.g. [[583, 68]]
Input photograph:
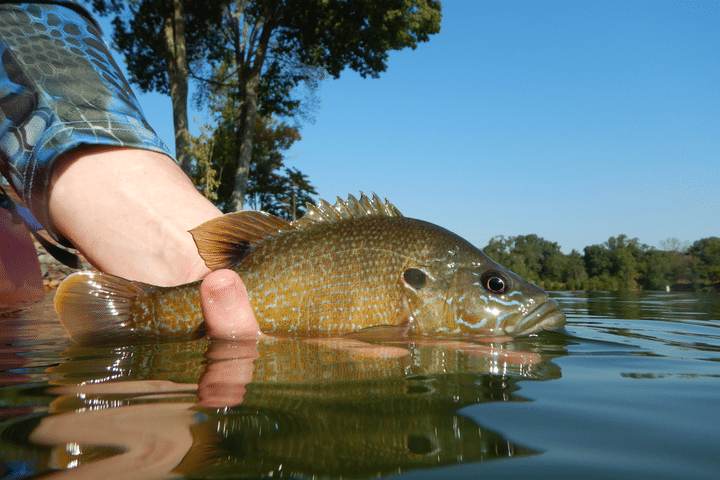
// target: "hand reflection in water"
[[153, 437], [151, 427]]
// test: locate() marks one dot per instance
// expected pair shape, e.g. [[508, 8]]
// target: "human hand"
[[226, 307]]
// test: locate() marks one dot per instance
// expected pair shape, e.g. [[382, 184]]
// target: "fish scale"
[[348, 273], [343, 268]]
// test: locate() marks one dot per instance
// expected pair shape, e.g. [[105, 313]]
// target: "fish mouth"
[[545, 316]]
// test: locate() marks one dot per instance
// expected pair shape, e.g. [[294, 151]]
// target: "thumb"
[[226, 306]]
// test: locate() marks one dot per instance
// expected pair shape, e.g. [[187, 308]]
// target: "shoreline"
[[53, 272]]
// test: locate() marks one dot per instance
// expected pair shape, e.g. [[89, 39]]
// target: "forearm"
[[129, 211], [58, 94], [75, 145]]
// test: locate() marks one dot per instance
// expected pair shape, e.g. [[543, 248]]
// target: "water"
[[630, 390]]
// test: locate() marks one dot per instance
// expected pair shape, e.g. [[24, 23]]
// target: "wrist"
[[129, 211]]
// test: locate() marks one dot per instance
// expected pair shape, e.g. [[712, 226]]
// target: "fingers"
[[226, 307]]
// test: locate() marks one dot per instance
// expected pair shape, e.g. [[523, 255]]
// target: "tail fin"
[[98, 307]]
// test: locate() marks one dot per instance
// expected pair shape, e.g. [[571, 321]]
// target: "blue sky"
[[575, 121]]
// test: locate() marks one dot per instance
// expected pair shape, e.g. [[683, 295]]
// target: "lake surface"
[[631, 389]]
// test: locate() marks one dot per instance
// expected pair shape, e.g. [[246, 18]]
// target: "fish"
[[357, 266]]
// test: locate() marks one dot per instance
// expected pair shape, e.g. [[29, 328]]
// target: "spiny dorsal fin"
[[224, 241], [344, 210]]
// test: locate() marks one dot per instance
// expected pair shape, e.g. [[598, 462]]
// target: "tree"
[[574, 270], [283, 194], [616, 264], [707, 250], [597, 260], [673, 244], [620, 263], [297, 195], [497, 249], [501, 250], [266, 49], [658, 269], [271, 185], [625, 255], [272, 43], [529, 256], [159, 40], [206, 174]]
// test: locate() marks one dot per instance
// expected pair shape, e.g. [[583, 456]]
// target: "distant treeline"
[[621, 263]]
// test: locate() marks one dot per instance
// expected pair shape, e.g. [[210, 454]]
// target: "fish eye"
[[415, 277], [495, 282]]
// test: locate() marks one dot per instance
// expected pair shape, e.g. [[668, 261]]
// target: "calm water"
[[630, 390]]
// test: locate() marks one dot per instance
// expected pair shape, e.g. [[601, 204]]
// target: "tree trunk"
[[248, 81], [174, 33], [244, 142]]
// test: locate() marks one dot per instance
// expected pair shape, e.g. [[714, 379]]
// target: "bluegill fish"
[[358, 265]]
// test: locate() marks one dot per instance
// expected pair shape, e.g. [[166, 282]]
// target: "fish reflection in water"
[[318, 409]]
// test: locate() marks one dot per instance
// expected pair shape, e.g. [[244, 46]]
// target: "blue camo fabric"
[[59, 88]]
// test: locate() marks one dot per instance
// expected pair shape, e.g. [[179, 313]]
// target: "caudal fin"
[[96, 306]]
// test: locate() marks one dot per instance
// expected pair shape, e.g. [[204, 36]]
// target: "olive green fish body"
[[343, 268], [335, 278], [96, 306]]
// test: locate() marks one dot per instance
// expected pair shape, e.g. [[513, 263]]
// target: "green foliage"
[[206, 175], [251, 55], [338, 34], [271, 47], [707, 251], [616, 264], [272, 187], [619, 264], [660, 269], [289, 200], [597, 261], [138, 27], [529, 256], [575, 272], [270, 183]]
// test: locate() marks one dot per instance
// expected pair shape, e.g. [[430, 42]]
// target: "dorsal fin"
[[344, 210], [224, 241]]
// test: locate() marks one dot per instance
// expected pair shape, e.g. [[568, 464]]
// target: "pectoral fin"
[[381, 333]]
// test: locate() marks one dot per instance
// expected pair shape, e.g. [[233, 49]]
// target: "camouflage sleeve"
[[59, 88]]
